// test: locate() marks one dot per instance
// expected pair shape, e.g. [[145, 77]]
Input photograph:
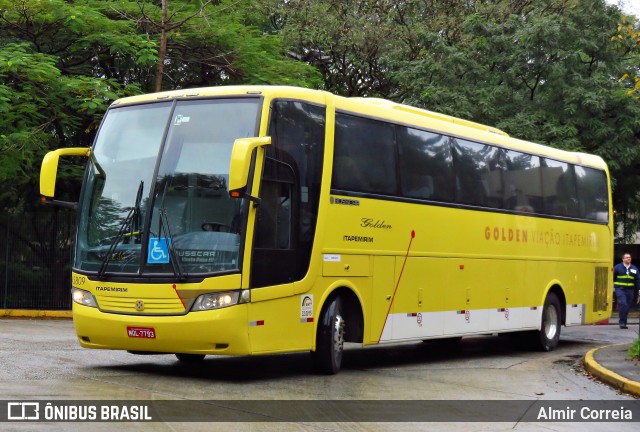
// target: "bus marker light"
[[256, 323], [461, 266]]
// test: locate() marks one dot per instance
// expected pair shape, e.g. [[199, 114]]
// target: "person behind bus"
[[625, 281]]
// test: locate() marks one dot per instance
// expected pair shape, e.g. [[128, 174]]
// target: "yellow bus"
[[252, 220]]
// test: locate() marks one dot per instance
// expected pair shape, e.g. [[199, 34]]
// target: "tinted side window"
[[559, 189], [522, 182], [593, 193], [364, 158], [274, 217], [297, 134], [478, 174], [426, 165]]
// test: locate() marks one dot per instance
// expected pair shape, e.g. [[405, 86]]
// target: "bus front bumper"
[[217, 332]]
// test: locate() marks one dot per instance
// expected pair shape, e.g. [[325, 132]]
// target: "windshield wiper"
[[135, 226], [134, 212], [163, 225]]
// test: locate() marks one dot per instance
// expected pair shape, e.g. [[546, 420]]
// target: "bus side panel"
[[439, 297], [577, 291], [532, 290], [503, 293], [584, 305], [282, 324], [383, 287], [419, 289]]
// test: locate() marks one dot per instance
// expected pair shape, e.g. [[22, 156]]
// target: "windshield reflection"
[[121, 229]]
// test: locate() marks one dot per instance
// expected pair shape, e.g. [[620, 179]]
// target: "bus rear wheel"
[[546, 339], [330, 339]]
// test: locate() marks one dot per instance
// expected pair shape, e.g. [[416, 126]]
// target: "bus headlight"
[[83, 297], [220, 300]]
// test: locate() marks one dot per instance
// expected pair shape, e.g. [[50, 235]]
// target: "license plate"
[[141, 332]]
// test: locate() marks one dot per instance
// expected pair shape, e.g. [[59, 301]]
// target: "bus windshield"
[[156, 198]]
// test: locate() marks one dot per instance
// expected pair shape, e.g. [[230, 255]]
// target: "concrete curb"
[[25, 313], [613, 379]]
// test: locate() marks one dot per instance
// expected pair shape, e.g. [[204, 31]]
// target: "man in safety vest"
[[626, 278]]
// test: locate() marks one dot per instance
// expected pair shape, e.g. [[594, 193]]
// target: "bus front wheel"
[[546, 339], [330, 338]]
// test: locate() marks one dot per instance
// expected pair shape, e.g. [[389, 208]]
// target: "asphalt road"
[[41, 361]]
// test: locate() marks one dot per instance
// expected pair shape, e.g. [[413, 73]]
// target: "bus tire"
[[546, 339], [190, 358], [330, 339]]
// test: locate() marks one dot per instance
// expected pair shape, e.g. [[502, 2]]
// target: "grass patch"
[[634, 351]]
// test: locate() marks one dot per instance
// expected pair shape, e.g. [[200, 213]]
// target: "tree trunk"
[[162, 53]]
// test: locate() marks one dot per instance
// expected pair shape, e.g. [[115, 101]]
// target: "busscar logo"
[[23, 411]]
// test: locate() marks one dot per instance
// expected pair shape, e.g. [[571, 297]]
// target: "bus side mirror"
[[49, 173], [241, 163]]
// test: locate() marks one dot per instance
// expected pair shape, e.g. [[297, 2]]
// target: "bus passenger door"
[[274, 252], [275, 323]]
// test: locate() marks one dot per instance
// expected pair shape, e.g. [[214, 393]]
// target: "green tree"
[[558, 72], [41, 109], [550, 75], [348, 41], [209, 43], [359, 46], [63, 62]]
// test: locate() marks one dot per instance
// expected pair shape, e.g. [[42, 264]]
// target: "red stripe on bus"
[[413, 235]]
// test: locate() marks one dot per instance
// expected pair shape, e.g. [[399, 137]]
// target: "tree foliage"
[[549, 75], [63, 62], [558, 72]]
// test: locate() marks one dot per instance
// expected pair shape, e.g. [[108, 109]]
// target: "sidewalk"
[[28, 313], [611, 364]]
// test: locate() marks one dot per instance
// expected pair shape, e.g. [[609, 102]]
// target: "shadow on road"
[[274, 367]]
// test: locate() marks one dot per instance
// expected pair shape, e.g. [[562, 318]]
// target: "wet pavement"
[[42, 361]]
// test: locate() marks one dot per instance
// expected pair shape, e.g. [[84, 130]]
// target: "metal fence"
[[35, 252]]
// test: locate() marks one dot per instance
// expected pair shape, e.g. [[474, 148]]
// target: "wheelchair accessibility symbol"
[[158, 251]]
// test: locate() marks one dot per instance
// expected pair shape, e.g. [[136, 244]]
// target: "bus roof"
[[384, 110]]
